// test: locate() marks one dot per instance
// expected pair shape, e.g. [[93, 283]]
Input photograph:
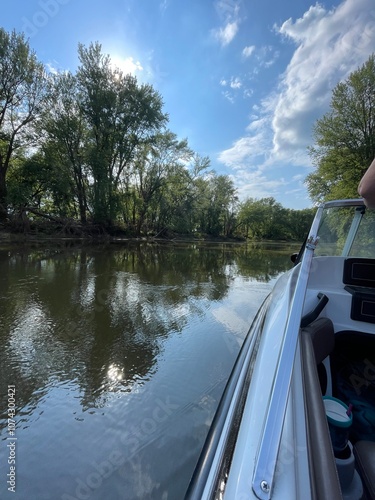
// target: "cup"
[[338, 422]]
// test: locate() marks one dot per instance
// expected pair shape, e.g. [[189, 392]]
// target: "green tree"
[[28, 182], [267, 219], [121, 116], [64, 126], [172, 207], [259, 217], [180, 204], [249, 218], [218, 202], [297, 223], [345, 137], [22, 95], [154, 167]]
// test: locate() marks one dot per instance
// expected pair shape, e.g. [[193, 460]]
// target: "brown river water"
[[113, 360]]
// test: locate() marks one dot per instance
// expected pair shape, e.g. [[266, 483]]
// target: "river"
[[113, 360]]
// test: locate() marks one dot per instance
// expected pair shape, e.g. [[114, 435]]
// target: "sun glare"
[[126, 64]]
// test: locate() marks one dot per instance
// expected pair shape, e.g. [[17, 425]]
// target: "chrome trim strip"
[[264, 471], [204, 482], [212, 480], [344, 203]]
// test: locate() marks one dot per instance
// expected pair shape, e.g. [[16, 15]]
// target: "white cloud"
[[236, 83], [255, 184], [225, 35], [267, 56], [262, 57], [247, 51], [297, 30], [268, 63], [245, 150], [127, 65], [51, 68], [329, 45], [227, 9], [229, 96]]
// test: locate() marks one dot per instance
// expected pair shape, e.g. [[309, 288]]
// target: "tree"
[[121, 116], [22, 95], [28, 182], [345, 137], [154, 166], [298, 223], [260, 217], [268, 219], [66, 133], [175, 207], [218, 202]]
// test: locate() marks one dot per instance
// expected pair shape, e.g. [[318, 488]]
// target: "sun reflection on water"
[[115, 374]]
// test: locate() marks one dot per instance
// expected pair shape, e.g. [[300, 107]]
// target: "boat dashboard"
[[349, 285]]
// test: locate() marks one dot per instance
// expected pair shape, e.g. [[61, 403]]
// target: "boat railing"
[[264, 474]]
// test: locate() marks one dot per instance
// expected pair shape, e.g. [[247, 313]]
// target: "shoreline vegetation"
[[11, 237], [252, 220], [89, 155], [34, 225], [89, 234]]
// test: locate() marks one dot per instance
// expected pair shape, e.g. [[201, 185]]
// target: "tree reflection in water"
[[83, 329]]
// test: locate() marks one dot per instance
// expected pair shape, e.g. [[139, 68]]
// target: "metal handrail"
[[352, 202], [264, 472]]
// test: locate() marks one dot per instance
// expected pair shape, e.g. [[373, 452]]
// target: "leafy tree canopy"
[[22, 96], [92, 150], [345, 137]]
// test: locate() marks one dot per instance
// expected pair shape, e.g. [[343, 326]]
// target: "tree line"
[[93, 148], [344, 138]]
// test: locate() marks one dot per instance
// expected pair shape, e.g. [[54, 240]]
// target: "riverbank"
[[98, 234], [7, 237], [12, 238]]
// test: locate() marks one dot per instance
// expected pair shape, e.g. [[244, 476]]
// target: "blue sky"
[[243, 80]]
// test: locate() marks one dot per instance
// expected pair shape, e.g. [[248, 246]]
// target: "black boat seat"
[[364, 452], [322, 336]]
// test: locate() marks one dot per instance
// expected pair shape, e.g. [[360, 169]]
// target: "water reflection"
[[119, 355]]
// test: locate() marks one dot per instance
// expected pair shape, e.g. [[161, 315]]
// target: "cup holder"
[[343, 454]]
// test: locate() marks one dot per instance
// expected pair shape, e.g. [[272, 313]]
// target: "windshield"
[[347, 231]]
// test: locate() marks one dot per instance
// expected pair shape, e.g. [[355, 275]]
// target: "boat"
[[297, 416]]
